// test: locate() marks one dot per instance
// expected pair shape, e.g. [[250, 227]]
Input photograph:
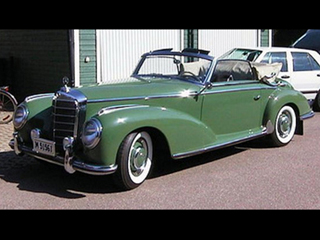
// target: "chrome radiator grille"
[[68, 114], [65, 112]]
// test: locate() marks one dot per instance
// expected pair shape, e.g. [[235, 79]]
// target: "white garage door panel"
[[221, 41], [120, 50]]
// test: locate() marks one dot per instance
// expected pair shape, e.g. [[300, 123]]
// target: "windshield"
[[242, 54], [174, 67]]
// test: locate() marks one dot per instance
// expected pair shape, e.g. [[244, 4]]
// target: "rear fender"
[[281, 98]]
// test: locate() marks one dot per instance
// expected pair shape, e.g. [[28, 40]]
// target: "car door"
[[305, 75], [231, 107]]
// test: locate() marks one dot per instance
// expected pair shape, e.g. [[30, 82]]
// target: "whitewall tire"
[[134, 160], [285, 126]]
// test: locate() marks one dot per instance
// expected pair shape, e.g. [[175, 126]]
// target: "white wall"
[[221, 41], [120, 50]]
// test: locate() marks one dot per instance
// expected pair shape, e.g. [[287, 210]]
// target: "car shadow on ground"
[[168, 166], [37, 176], [40, 177]]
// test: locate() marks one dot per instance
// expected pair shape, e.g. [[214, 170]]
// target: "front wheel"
[[134, 160], [285, 127]]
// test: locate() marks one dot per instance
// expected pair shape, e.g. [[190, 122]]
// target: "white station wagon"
[[300, 67]]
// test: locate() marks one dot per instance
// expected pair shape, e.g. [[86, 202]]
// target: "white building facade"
[[116, 52]]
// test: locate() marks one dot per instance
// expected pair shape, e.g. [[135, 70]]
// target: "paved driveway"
[[248, 176]]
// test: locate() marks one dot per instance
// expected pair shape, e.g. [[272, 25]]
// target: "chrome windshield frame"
[[192, 53]]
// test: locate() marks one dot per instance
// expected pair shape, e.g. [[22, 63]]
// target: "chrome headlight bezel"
[[91, 134], [20, 116]]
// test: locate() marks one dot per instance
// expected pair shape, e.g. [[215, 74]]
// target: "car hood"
[[135, 88]]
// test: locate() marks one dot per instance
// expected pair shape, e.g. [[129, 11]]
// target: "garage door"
[[120, 50], [221, 41]]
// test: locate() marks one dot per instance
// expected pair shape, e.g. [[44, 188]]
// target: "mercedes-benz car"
[[182, 102]]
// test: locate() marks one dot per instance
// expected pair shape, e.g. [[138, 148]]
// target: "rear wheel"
[[134, 160], [285, 126], [316, 103]]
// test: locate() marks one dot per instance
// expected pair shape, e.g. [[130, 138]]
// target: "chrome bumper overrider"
[[307, 116], [69, 162]]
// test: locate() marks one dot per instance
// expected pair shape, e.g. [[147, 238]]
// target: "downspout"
[[71, 56]]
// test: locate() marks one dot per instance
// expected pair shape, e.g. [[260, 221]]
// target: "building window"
[[265, 40], [190, 40]]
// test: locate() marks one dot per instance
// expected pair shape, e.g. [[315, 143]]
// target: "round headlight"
[[20, 116], [91, 133]]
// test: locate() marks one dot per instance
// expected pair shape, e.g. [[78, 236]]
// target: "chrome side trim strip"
[[191, 94], [309, 92], [115, 99], [112, 109], [235, 90], [146, 98], [38, 96]]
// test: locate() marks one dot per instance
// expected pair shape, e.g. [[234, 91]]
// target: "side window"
[[304, 62], [315, 64], [277, 57], [232, 70]]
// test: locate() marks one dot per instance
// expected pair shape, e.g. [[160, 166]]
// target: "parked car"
[[300, 67], [168, 104], [309, 40]]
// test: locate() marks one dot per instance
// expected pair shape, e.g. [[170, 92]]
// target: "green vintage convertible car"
[[184, 102]]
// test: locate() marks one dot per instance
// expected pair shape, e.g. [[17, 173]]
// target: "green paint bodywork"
[[223, 114]]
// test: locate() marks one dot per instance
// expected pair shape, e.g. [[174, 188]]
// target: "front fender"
[[40, 110], [176, 126]]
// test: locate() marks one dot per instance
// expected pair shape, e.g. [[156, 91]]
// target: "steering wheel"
[[191, 75]]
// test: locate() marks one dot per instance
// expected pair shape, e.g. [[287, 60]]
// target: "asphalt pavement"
[[247, 176]]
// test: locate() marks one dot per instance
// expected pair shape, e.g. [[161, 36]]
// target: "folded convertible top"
[[265, 70]]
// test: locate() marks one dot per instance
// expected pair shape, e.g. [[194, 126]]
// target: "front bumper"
[[69, 161]]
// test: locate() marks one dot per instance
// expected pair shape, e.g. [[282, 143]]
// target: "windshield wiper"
[[141, 79], [156, 75]]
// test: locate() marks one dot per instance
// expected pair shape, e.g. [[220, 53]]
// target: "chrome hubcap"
[[138, 157], [284, 124]]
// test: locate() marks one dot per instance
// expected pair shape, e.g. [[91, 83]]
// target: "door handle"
[[285, 76], [318, 75], [256, 98]]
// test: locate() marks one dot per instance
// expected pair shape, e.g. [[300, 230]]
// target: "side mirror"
[[207, 85]]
